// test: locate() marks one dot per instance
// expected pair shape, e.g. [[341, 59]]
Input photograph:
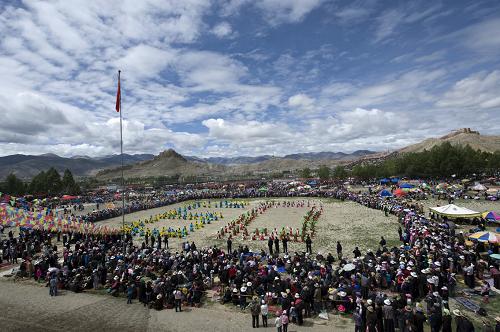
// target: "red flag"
[[118, 94]]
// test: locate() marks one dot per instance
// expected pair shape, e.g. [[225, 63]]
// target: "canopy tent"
[[406, 185], [478, 187], [394, 180], [491, 215], [385, 193], [453, 211], [490, 237]]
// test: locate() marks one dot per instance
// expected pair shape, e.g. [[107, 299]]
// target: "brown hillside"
[[463, 136]]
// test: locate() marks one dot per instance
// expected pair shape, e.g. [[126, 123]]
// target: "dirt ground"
[[347, 222], [30, 308]]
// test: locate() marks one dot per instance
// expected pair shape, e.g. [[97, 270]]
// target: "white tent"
[[453, 211]]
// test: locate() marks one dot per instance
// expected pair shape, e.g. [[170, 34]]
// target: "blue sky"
[[241, 77]]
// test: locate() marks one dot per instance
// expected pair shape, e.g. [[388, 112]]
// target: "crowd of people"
[[399, 287]]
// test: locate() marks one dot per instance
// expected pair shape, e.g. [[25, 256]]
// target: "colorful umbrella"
[[399, 192], [406, 185], [385, 193], [485, 237], [491, 215]]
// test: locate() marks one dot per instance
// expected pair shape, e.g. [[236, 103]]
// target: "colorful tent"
[[399, 192], [491, 215], [68, 197], [453, 211], [490, 237], [385, 193], [406, 185]]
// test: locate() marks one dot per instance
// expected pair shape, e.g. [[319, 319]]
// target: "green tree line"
[[46, 182], [441, 161]]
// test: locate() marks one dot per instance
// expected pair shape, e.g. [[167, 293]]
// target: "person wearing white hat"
[[388, 314], [463, 323], [264, 310], [243, 298]]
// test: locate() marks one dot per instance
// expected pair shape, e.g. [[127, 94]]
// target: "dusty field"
[[347, 222], [30, 308]]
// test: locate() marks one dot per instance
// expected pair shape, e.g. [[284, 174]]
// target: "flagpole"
[[121, 157]]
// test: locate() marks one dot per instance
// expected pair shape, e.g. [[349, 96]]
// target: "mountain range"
[[169, 163]]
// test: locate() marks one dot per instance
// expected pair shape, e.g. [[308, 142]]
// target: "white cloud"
[[222, 30], [392, 19], [145, 61], [482, 36], [275, 11], [301, 101], [287, 11], [478, 91]]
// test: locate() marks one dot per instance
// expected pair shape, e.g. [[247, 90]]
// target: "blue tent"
[[395, 180], [385, 193], [406, 185], [384, 181]]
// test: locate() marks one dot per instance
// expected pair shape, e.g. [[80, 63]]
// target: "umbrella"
[[399, 192], [53, 269], [406, 185], [485, 237], [349, 267], [385, 193], [495, 256], [491, 215]]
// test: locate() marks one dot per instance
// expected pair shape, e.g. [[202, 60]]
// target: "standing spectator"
[[285, 244], [339, 250], [53, 285], [388, 312], [229, 245], [463, 324], [277, 322], [446, 321], [264, 310], [270, 245], [178, 300], [255, 310], [130, 292], [309, 244], [284, 321], [277, 246]]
